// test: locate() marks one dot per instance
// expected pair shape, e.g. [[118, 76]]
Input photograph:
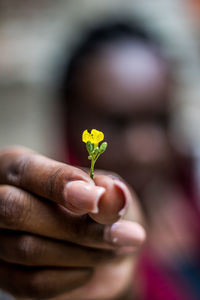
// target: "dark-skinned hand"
[[63, 235]]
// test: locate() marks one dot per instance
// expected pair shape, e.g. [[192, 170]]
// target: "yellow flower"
[[92, 141], [95, 137]]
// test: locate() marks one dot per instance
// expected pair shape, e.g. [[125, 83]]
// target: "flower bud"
[[103, 147]]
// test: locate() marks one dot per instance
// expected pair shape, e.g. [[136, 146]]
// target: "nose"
[[146, 145]]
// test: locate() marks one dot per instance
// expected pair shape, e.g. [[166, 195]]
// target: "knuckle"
[[26, 249], [14, 207], [17, 168], [53, 184]]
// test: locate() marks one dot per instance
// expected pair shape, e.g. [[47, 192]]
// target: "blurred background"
[[34, 36], [37, 36]]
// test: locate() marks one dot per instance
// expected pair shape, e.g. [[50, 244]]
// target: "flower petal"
[[97, 136], [86, 136]]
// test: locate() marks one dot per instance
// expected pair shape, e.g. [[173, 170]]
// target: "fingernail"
[[126, 193], [125, 233], [82, 197]]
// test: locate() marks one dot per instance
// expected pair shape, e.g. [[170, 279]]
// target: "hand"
[[60, 231]]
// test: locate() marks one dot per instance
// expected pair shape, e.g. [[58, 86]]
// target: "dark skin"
[[51, 246]]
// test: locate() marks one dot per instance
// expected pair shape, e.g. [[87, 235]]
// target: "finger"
[[31, 250], [49, 179], [21, 211], [41, 283], [115, 202], [110, 281]]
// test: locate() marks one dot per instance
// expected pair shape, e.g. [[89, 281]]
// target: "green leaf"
[[89, 147]]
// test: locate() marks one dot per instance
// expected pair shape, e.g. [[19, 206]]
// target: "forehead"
[[128, 77]]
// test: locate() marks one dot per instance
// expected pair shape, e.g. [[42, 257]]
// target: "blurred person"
[[61, 233], [118, 80]]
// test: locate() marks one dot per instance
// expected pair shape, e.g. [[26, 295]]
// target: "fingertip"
[[125, 234], [114, 202]]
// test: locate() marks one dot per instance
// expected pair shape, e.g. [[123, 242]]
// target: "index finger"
[[49, 179]]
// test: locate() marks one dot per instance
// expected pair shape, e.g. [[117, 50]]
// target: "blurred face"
[[123, 91]]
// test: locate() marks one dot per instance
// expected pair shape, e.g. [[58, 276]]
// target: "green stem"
[[92, 168], [93, 161], [97, 157]]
